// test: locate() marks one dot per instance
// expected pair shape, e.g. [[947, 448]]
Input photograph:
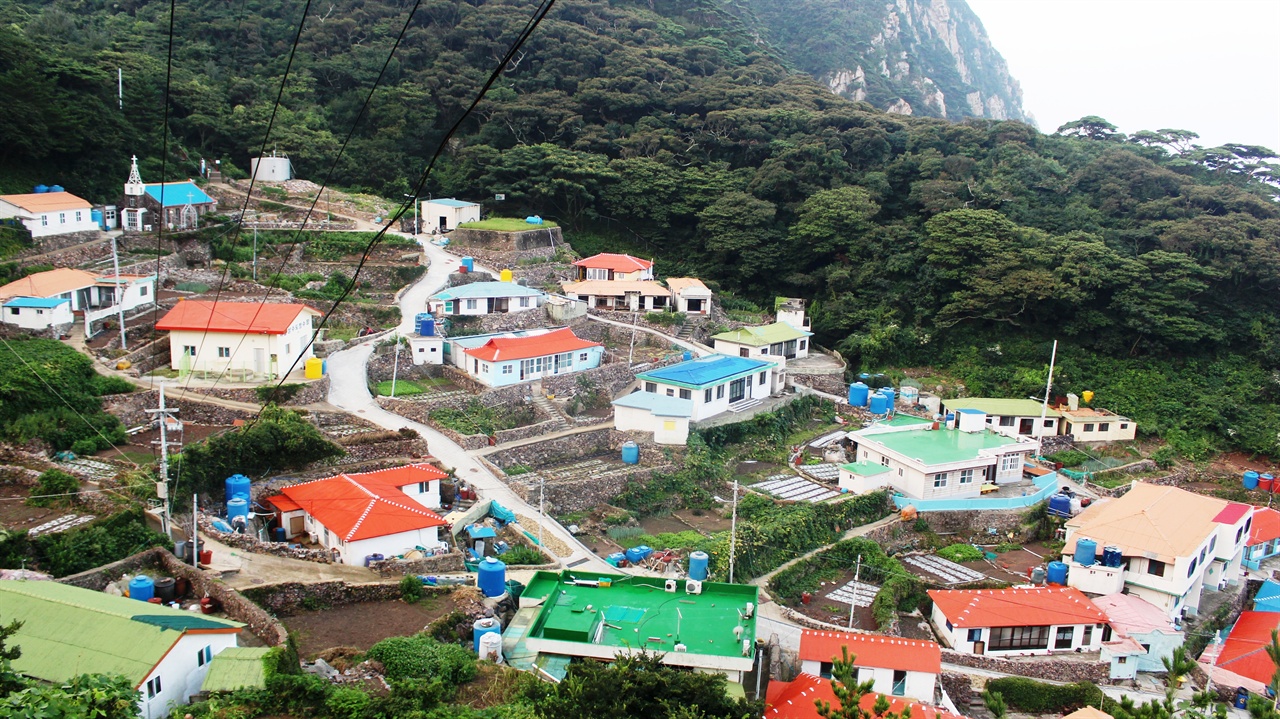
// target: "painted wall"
[[918, 685], [55, 222], [958, 638], [181, 673], [630, 302], [287, 348], [505, 374], [666, 430], [917, 481], [136, 294], [429, 220], [1011, 425], [684, 296], [474, 306], [427, 350], [859, 484], [755, 388], [38, 318], [391, 544], [1117, 429]]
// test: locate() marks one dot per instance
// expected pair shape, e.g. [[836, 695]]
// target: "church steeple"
[[133, 186]]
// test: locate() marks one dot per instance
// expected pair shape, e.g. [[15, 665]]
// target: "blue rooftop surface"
[[970, 411], [706, 371], [657, 404], [486, 289], [450, 202], [478, 532], [43, 303], [177, 194]]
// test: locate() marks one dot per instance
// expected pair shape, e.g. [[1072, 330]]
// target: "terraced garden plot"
[[937, 568], [822, 472], [61, 524], [859, 594], [91, 467], [796, 489]]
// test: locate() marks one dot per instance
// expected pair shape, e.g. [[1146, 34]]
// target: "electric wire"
[[532, 24], [164, 173]]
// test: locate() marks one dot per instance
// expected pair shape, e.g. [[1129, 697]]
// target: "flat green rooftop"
[[905, 420], [1001, 407], [638, 613], [939, 446], [864, 468]]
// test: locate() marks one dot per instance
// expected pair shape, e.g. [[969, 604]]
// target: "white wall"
[[287, 348], [429, 499], [734, 349], [1038, 428], [429, 220], [52, 222], [859, 484], [958, 639], [918, 685], [181, 673], [666, 430], [1119, 429], [719, 403], [469, 306], [1095, 579], [355, 552], [38, 318], [427, 350], [136, 294], [917, 481]]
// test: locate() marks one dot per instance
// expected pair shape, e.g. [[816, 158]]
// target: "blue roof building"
[[173, 205], [486, 298], [178, 194], [450, 202], [46, 303], [714, 384]]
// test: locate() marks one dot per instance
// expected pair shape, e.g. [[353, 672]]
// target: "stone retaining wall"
[[147, 358], [312, 391], [438, 564], [959, 687], [288, 598], [1058, 670], [535, 239], [381, 366], [130, 409], [518, 433], [1176, 477], [584, 493], [1056, 443], [576, 446], [829, 383]]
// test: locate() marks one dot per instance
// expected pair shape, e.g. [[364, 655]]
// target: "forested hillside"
[[667, 128]]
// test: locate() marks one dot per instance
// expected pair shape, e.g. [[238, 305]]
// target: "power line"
[[532, 24]]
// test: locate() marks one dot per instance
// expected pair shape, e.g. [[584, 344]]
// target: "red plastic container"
[[206, 557], [1266, 483], [805, 598]]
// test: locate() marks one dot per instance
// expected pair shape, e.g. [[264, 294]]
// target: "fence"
[[1045, 486]]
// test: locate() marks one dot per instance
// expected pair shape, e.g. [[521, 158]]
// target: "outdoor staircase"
[[686, 331], [552, 411], [744, 405]]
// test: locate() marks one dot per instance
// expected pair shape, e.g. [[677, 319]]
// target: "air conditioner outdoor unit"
[[315, 538], [692, 586], [671, 585]]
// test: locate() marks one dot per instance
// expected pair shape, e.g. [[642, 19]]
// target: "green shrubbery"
[[72, 418], [475, 418], [961, 553], [1041, 698], [53, 482], [899, 590], [667, 319], [93, 545], [525, 555], [410, 588], [421, 656], [1068, 457]]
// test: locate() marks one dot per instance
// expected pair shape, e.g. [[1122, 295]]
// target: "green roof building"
[[1012, 417], [778, 342], [67, 631], [237, 668]]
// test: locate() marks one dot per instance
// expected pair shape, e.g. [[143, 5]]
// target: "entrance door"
[[1025, 425], [744, 352], [737, 390], [695, 305], [444, 223], [295, 526], [259, 360], [979, 648]]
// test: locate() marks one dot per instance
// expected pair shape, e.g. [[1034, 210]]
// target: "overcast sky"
[[1209, 66]]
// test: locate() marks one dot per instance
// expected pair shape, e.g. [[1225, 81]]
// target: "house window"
[[804, 344], [1088, 635], [1191, 569], [1124, 425], [706, 395], [142, 290], [1239, 534], [1088, 428], [448, 306], [62, 218], [764, 376], [975, 635], [326, 536], [524, 301], [14, 311], [1103, 427], [671, 392], [1155, 567], [1048, 423], [484, 369], [686, 394], [471, 304], [650, 387], [1202, 551], [720, 392], [763, 351], [1006, 421], [78, 216], [1066, 635], [884, 460], [1019, 638], [1213, 542], [824, 670], [506, 369], [1010, 462], [582, 356], [224, 352], [39, 312], [1122, 660], [940, 480], [153, 687], [288, 348], [204, 656], [44, 220], [966, 476], [423, 487], [899, 682]]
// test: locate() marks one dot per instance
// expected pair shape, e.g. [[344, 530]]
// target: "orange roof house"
[[514, 348], [36, 203], [610, 265], [1242, 660], [1017, 622], [798, 700], [49, 284], [241, 317], [519, 357], [50, 213], [901, 667]]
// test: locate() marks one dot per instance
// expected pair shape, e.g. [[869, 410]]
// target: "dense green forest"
[[666, 128]]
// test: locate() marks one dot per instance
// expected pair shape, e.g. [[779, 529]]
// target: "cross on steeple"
[[134, 186]]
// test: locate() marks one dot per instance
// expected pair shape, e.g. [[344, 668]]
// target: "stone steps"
[[552, 411]]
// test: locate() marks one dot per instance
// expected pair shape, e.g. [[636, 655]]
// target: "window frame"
[[1064, 637], [1011, 638]]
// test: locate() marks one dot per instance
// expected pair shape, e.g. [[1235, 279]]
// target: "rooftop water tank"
[[141, 588], [1057, 573], [533, 220], [639, 553], [858, 393], [469, 263], [1251, 480], [56, 188], [616, 559], [630, 453], [889, 394], [491, 577], [1112, 557], [879, 404], [238, 486], [237, 507], [426, 324], [698, 565], [686, 356], [1086, 552], [483, 626], [41, 189], [1037, 575], [166, 589]]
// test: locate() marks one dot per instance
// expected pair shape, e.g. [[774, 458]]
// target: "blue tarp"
[[476, 531], [1268, 597], [501, 513]]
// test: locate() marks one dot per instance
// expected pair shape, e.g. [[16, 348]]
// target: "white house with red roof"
[[1017, 622], [1264, 537], [797, 699], [386, 512], [514, 357], [900, 667], [254, 340], [610, 266]]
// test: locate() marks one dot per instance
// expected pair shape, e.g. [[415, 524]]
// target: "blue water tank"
[[141, 588], [639, 553], [41, 189], [890, 394], [1057, 573], [533, 219], [858, 393], [1086, 552], [237, 507], [879, 404], [1060, 505], [492, 577], [96, 215], [616, 559], [698, 565], [56, 188], [1251, 480], [863, 377], [483, 626], [630, 453], [687, 356], [278, 534], [469, 263], [1112, 557], [426, 324], [238, 486]]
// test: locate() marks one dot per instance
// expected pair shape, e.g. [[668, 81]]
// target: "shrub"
[[521, 554], [96, 544], [1164, 457], [420, 655], [1069, 457], [410, 588], [53, 481], [348, 703], [1033, 697], [279, 395], [961, 553], [517, 469], [668, 319]]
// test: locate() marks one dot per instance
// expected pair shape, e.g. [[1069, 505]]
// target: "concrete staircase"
[[552, 411], [744, 405], [686, 331]]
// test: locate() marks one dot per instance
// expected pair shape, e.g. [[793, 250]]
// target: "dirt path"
[[763, 579], [258, 569]]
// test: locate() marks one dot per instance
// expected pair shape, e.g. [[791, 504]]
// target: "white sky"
[[1209, 66]]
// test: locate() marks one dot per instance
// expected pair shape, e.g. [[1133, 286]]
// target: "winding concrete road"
[[349, 391]]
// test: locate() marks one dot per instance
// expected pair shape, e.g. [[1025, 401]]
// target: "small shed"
[[446, 213]]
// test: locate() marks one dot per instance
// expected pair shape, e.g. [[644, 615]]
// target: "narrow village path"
[[763, 579], [698, 349]]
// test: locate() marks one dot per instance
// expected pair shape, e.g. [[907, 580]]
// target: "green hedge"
[[960, 553], [773, 426], [1033, 697]]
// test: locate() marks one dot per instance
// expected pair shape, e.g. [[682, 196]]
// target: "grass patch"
[[961, 553], [506, 224], [404, 388], [197, 287], [475, 418]]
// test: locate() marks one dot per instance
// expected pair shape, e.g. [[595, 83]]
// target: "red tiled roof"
[[1266, 525], [243, 317], [872, 650], [1232, 513], [513, 348], [796, 700], [283, 503], [615, 262], [1016, 607], [363, 506], [1245, 651]]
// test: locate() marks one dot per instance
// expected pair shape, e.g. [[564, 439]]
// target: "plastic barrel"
[[313, 368], [505, 276], [889, 394], [490, 647], [371, 558], [180, 549], [491, 577], [858, 393], [1112, 557], [879, 404], [1266, 482], [687, 355], [483, 626], [278, 534], [1057, 573], [698, 565], [616, 559], [56, 188], [1086, 552], [238, 486], [630, 453], [1037, 575], [1060, 505], [1251, 480], [634, 555], [238, 507], [141, 588], [41, 189], [469, 263], [164, 588]]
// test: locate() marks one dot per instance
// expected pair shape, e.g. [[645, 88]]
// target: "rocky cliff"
[[914, 57]]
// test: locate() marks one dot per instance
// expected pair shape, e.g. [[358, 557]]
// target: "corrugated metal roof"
[[37, 302], [657, 404], [450, 202], [1016, 607], [239, 317], [705, 371], [486, 289], [763, 335], [177, 194], [1148, 520], [1001, 407], [872, 650], [236, 668]]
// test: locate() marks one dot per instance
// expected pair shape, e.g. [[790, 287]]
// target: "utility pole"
[[395, 368], [853, 603], [115, 261], [542, 509], [1044, 406], [163, 414], [635, 319], [120, 86], [195, 532], [255, 252], [733, 531]]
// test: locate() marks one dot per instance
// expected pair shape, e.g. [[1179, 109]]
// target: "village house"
[[256, 341], [776, 343], [445, 213], [926, 463], [1010, 417], [797, 699], [179, 205], [89, 296], [355, 516], [611, 266], [899, 667], [1171, 544], [792, 311], [667, 418], [1242, 660], [65, 631], [715, 383], [1138, 637], [1264, 537], [1086, 424], [689, 295], [620, 295], [486, 298], [514, 358], [47, 214], [1017, 622]]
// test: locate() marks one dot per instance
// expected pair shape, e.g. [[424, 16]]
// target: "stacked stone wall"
[[1076, 669]]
